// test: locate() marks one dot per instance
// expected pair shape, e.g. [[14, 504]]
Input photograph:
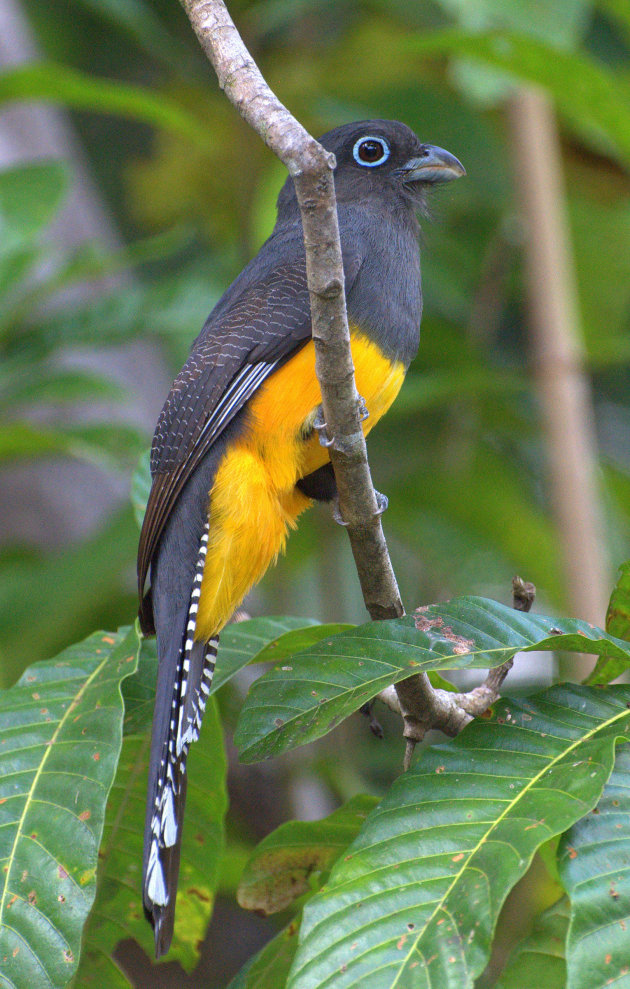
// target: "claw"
[[364, 412], [382, 501], [319, 424], [334, 511]]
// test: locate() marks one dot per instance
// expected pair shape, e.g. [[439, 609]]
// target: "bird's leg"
[[382, 501], [319, 423], [364, 412]]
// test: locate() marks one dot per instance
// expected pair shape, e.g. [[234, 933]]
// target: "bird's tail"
[[184, 680]]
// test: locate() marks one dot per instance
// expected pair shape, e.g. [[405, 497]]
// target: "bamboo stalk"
[[557, 354]]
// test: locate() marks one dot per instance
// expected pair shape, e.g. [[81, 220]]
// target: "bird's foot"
[[382, 501], [319, 424], [335, 512]]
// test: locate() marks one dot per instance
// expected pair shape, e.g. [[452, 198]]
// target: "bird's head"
[[384, 159]]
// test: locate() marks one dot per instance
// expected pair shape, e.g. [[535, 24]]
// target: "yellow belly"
[[254, 499]]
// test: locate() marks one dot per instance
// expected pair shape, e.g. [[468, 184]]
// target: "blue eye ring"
[[364, 148]]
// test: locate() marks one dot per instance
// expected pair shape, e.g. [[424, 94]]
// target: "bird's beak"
[[432, 165]]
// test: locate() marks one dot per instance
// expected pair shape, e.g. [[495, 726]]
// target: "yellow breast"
[[254, 500], [288, 401]]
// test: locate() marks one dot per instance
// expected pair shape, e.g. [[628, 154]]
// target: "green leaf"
[[139, 691], [270, 967], [117, 912], [590, 95], [539, 960], [609, 668], [305, 698], [415, 899], [618, 614], [30, 195], [266, 640], [594, 865], [61, 736], [282, 865], [50, 81]]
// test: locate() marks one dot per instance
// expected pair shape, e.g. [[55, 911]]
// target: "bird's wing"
[[237, 350]]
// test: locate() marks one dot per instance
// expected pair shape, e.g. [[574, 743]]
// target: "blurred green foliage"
[[193, 191]]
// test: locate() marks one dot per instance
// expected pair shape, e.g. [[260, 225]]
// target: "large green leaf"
[[618, 614], [60, 741], [539, 960], [282, 865], [306, 697], [415, 899], [594, 865], [609, 668], [266, 640], [117, 912]]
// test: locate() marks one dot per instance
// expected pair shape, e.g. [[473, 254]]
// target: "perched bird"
[[236, 456]]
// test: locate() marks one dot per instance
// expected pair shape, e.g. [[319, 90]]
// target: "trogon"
[[236, 456]]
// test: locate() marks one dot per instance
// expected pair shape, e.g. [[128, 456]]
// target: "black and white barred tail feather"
[[167, 785]]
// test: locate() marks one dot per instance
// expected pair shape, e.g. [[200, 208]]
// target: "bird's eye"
[[371, 151]]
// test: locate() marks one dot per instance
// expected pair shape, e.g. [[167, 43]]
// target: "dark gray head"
[[382, 158]]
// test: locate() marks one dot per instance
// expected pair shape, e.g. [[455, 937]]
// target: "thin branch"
[[311, 167]]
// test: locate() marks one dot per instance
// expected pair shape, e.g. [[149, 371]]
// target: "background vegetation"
[[190, 192]]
